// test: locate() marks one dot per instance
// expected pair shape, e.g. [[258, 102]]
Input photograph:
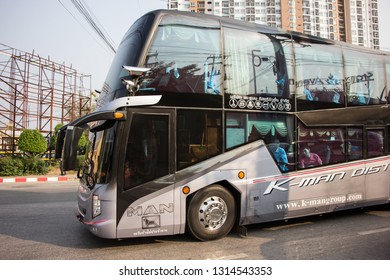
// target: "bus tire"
[[211, 213]]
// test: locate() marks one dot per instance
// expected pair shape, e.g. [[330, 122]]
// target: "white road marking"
[[373, 231], [232, 257]]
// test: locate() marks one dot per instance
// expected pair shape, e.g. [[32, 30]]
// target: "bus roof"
[[216, 21], [205, 20]]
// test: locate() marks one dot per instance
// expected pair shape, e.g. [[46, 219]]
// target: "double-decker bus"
[[205, 124]]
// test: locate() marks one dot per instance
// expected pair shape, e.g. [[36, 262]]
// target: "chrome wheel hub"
[[213, 213]]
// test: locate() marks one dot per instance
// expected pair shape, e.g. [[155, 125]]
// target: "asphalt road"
[[38, 223]]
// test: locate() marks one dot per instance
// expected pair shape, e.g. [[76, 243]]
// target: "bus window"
[[364, 78], [276, 130], [184, 59], [387, 93], [320, 146], [319, 73], [388, 137], [354, 146], [198, 136], [147, 155], [375, 146], [255, 64]]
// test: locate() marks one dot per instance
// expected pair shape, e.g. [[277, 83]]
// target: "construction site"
[[37, 93]]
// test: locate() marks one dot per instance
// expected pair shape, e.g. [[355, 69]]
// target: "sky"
[[51, 30], [55, 29]]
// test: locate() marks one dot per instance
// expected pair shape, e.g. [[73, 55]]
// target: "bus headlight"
[[96, 206]]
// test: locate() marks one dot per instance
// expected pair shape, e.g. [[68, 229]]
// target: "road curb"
[[35, 179]]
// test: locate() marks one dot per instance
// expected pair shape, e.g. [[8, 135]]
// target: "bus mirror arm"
[[105, 125], [131, 85], [135, 77], [68, 133]]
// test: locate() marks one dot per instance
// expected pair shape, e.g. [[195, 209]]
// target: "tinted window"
[[276, 130], [320, 146], [364, 78], [388, 139], [184, 59], [255, 64], [257, 75], [375, 139], [147, 153], [198, 136], [388, 80], [319, 73], [354, 144]]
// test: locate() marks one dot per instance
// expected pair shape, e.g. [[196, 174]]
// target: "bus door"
[[145, 182], [377, 169]]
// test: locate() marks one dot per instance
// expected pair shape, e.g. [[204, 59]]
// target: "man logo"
[[150, 210]]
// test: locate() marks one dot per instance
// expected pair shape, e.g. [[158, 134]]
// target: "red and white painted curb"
[[33, 179]]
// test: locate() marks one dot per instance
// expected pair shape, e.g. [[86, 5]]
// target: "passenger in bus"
[[307, 92], [336, 97], [338, 153], [280, 156], [309, 159], [375, 144]]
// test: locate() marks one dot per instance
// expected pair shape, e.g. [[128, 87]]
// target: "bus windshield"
[[98, 158]]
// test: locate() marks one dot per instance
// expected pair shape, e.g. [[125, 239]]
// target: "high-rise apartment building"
[[352, 21]]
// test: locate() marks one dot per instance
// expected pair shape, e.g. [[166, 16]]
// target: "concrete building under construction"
[[37, 93]]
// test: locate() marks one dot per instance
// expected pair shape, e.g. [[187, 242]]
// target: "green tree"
[[32, 142], [11, 166], [82, 145]]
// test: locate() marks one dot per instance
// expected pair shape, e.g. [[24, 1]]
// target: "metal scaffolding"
[[37, 93]]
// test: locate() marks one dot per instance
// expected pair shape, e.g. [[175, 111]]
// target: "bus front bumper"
[[99, 227]]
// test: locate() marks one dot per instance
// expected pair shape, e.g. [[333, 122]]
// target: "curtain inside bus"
[[319, 76], [257, 63], [364, 78], [185, 59]]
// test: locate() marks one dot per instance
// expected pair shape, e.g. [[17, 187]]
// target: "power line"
[[75, 18], [81, 7], [101, 26]]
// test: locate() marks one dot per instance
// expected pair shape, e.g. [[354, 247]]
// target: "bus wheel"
[[211, 213]]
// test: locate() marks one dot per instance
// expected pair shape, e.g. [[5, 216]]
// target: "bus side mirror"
[[60, 142], [69, 153]]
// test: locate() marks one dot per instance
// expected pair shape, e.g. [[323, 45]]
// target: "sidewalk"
[[39, 178]]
